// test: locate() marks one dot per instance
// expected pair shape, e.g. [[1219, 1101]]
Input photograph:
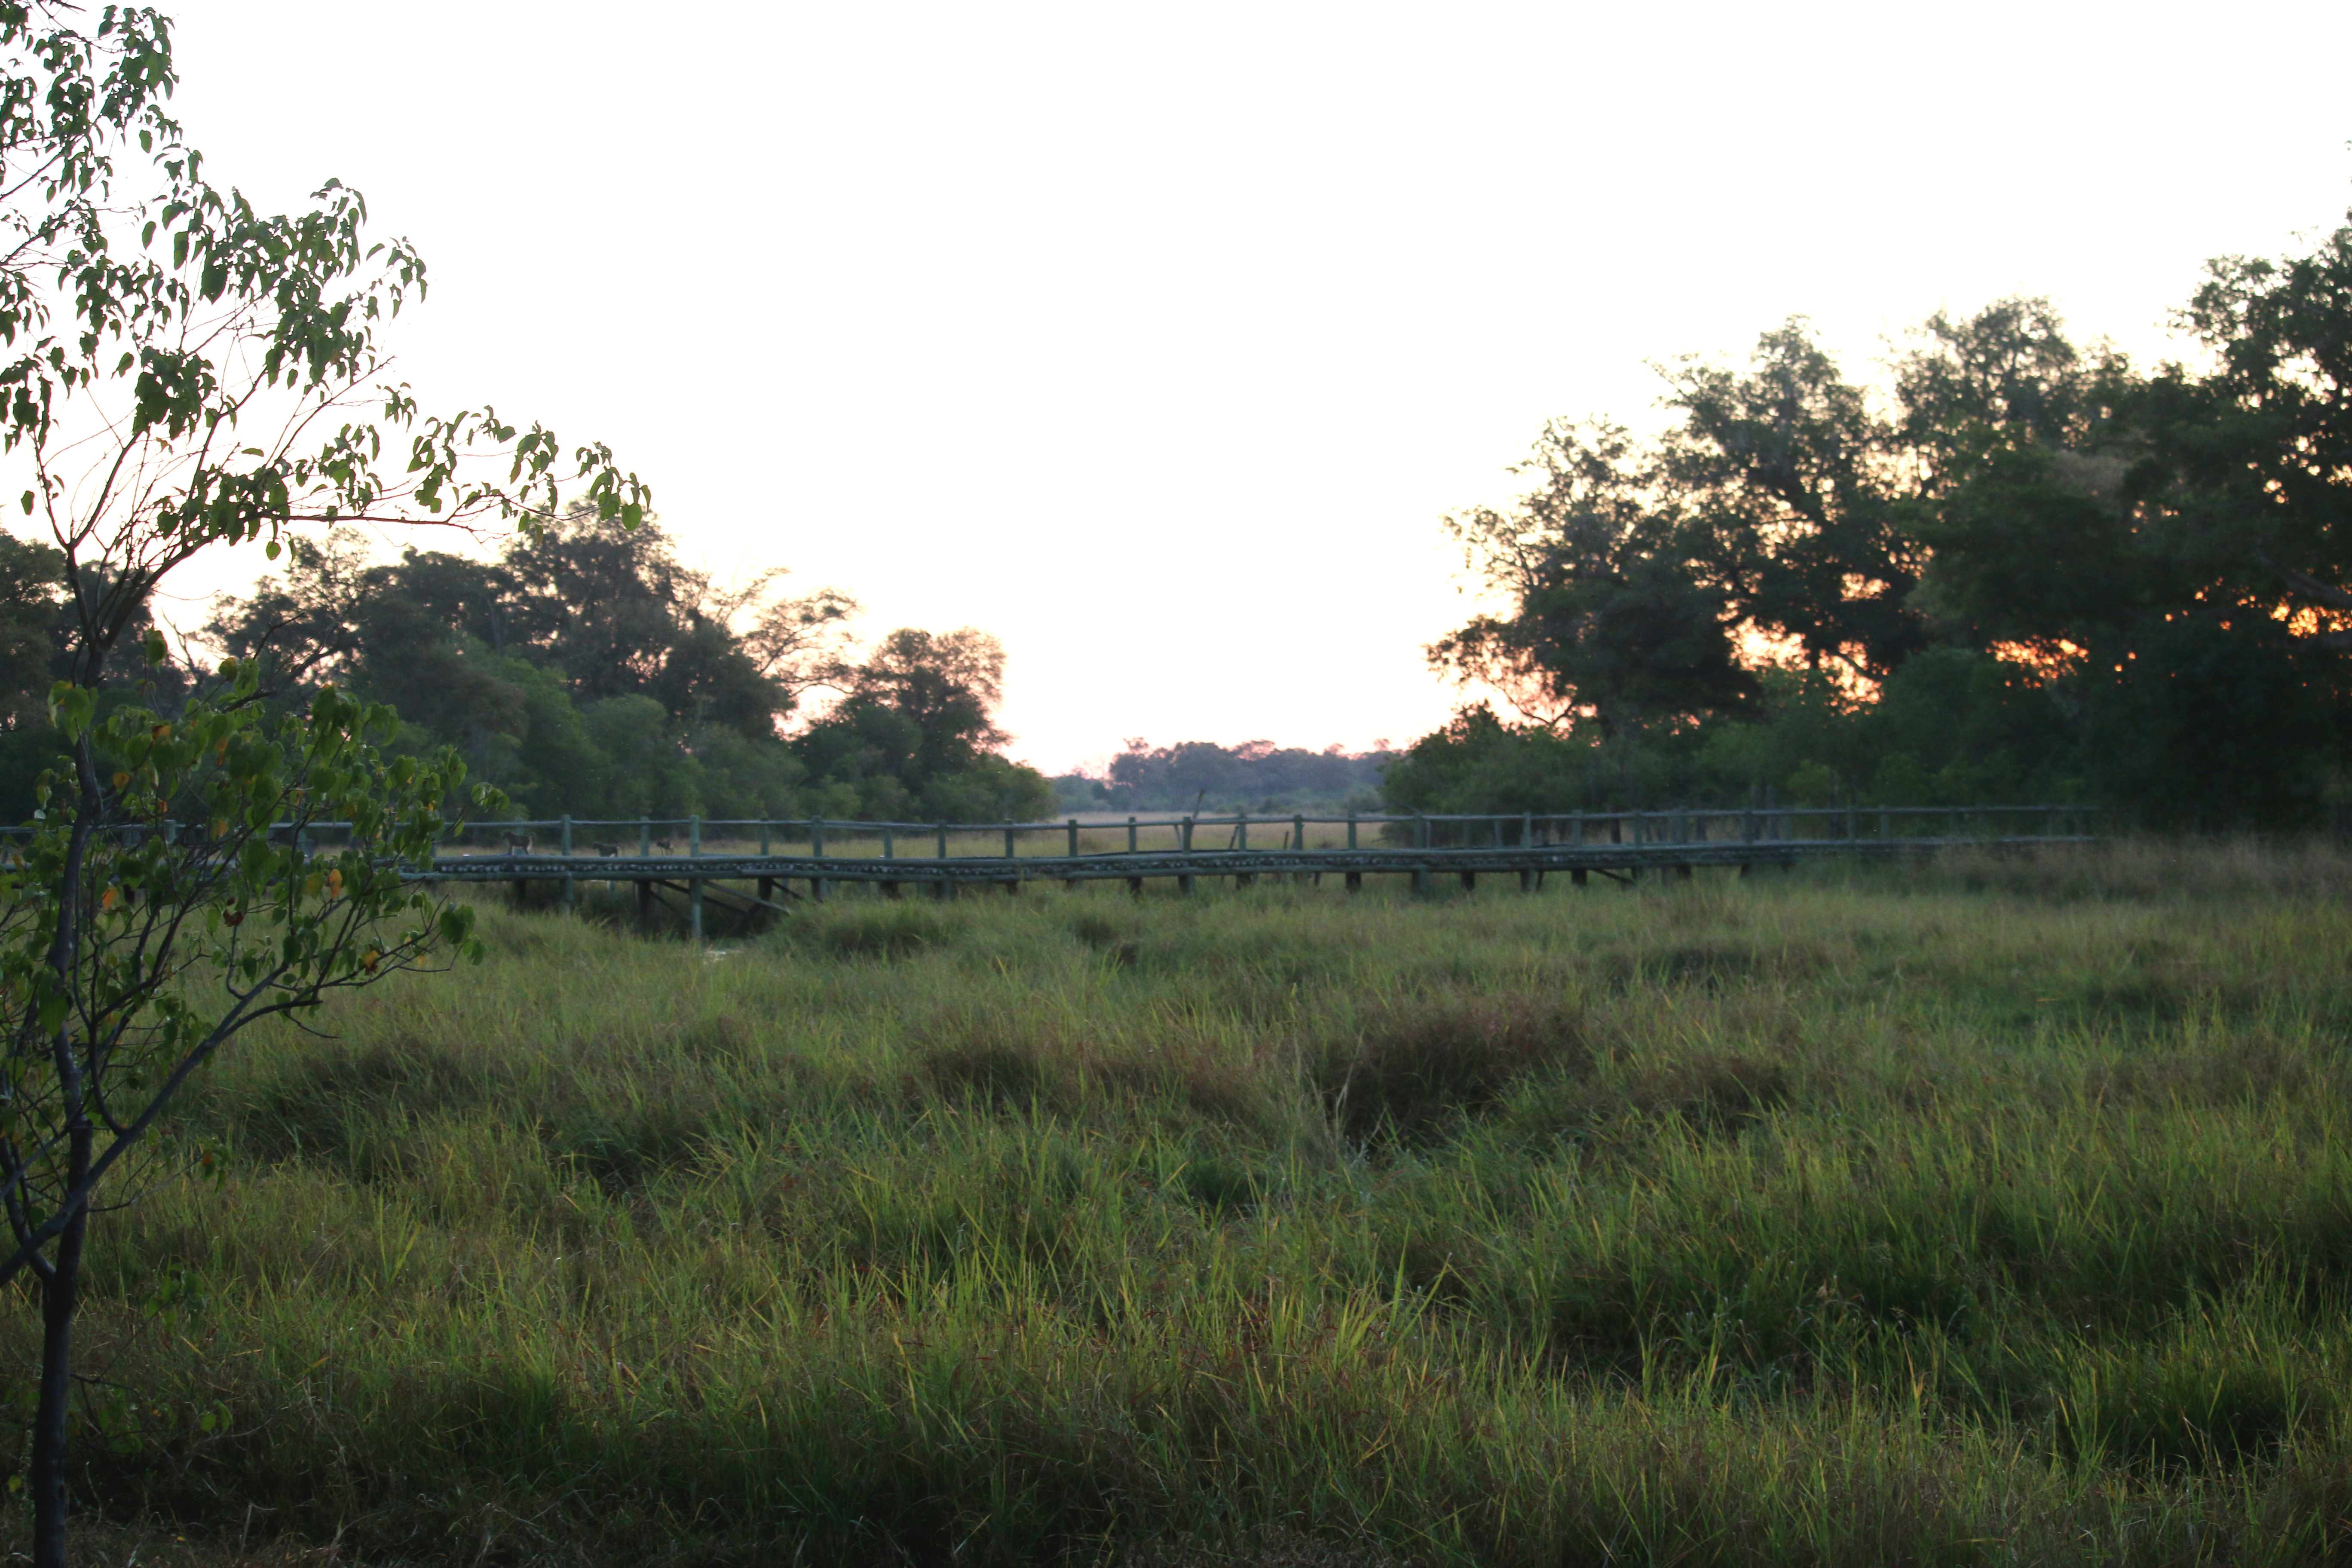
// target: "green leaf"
[[72, 706]]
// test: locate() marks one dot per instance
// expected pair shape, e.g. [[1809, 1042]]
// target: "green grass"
[[1998, 1212]]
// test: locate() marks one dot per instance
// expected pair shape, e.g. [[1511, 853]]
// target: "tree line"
[[1256, 776], [2017, 568], [585, 671]]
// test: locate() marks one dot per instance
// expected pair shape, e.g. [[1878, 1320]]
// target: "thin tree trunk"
[[58, 1297], [62, 1286]]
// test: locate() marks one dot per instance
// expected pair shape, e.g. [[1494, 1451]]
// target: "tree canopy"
[[2011, 566], [586, 671]]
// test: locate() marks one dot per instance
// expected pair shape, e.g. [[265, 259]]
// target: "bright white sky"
[[1157, 339]]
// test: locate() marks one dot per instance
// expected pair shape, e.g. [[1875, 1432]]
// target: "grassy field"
[[1998, 1212]]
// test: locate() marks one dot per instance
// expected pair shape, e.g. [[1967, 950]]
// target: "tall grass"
[[1998, 1211]]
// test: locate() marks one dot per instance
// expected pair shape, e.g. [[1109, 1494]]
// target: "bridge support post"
[[694, 908], [1184, 885], [1469, 881], [1245, 879], [1682, 872], [1355, 879], [1526, 878], [1135, 886], [1577, 876], [645, 902], [889, 890]]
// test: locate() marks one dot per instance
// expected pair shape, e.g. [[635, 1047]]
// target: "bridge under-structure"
[[1523, 846]]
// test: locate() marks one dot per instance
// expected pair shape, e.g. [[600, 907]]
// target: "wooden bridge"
[[752, 865]]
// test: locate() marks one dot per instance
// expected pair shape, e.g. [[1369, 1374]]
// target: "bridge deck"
[[1124, 866]]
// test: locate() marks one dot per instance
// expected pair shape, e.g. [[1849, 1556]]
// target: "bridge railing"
[[1241, 832], [1103, 833]]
